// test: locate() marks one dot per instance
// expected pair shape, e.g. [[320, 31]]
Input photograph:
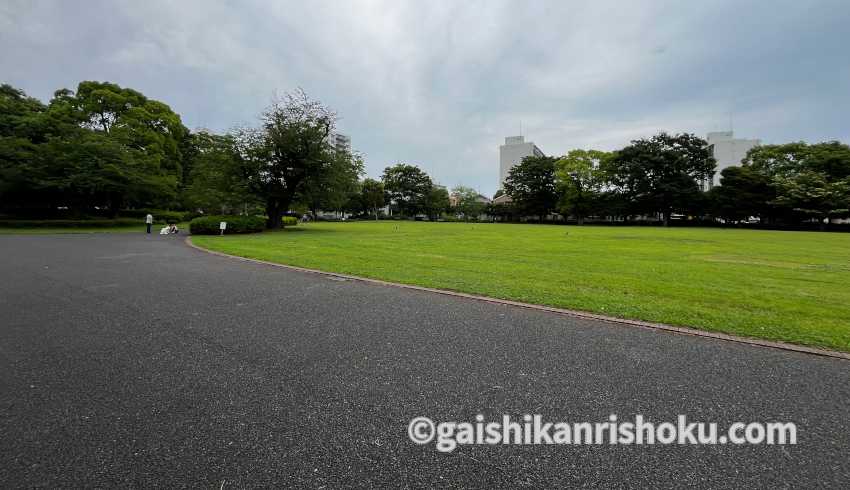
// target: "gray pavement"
[[134, 361]]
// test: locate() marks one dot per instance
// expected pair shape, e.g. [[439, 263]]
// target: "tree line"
[[104, 149], [665, 176]]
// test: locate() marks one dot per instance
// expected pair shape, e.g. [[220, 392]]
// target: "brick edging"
[[561, 311]]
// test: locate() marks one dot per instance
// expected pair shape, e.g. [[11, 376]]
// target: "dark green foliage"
[[216, 183], [286, 152], [531, 186], [371, 197], [158, 214], [660, 174], [743, 192], [209, 225], [72, 223], [809, 181], [334, 187], [105, 147], [436, 202], [407, 188]]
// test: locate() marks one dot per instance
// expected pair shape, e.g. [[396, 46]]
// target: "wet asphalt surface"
[[129, 360]]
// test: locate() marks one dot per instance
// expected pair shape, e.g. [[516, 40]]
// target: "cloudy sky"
[[441, 83]]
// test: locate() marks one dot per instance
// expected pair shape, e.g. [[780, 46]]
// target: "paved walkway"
[[133, 360]]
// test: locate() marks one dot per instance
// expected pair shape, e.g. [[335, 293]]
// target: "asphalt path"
[[132, 360]]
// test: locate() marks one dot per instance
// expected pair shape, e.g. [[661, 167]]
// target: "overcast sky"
[[440, 84]]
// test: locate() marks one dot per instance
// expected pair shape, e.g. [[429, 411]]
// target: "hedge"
[[160, 215], [70, 223], [209, 225], [290, 221]]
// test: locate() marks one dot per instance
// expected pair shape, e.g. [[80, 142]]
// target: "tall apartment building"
[[728, 151], [340, 141], [512, 153]]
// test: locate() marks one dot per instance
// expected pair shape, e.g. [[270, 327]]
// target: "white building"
[[340, 141], [728, 151], [512, 153]]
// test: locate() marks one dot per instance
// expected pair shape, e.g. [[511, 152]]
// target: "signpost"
[[222, 226]]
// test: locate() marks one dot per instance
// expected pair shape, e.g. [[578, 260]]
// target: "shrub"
[[159, 215], [70, 223], [209, 225], [290, 221]]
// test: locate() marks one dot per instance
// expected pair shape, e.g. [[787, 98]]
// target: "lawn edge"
[[551, 309]]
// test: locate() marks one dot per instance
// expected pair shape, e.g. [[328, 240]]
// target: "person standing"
[[149, 222]]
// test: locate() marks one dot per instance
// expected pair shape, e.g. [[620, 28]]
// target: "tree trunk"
[[580, 220], [275, 215], [666, 215]]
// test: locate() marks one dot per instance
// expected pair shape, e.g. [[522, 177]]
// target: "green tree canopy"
[[581, 178], [372, 196], [407, 188], [660, 174], [531, 186], [287, 151], [436, 202], [332, 189]]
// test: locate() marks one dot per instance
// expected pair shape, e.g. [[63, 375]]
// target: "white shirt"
[[149, 219]]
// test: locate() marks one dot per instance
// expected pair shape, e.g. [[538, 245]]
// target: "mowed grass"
[[787, 286]]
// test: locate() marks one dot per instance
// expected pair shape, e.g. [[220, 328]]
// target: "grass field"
[[788, 286]]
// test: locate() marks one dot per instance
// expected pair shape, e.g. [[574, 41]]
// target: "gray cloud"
[[441, 83]]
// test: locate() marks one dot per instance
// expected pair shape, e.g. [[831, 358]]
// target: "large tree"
[[660, 174], [135, 121], [581, 178], [407, 188], [215, 183], [332, 189], [21, 132], [810, 181], [814, 195], [436, 202], [287, 151], [371, 196], [742, 193], [531, 186]]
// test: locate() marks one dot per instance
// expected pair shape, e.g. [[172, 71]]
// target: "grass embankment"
[[787, 286]]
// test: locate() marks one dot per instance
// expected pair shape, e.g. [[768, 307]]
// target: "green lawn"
[[788, 286]]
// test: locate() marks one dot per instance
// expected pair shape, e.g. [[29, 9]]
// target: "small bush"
[[290, 221], [209, 225], [70, 223]]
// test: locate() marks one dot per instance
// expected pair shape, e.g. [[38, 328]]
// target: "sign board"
[[222, 226]]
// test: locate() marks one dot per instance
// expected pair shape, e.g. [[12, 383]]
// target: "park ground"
[[132, 360], [775, 285]]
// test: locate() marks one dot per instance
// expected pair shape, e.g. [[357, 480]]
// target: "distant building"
[[728, 151], [503, 199], [340, 141], [512, 153], [454, 199]]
